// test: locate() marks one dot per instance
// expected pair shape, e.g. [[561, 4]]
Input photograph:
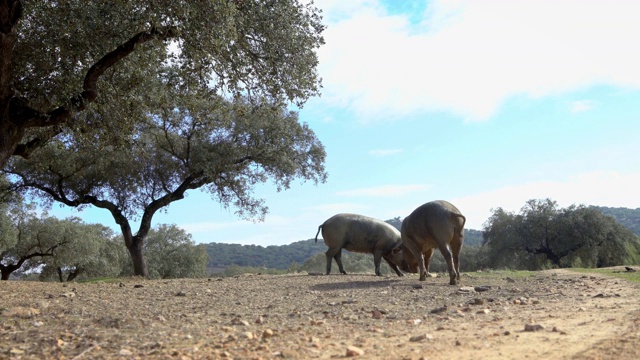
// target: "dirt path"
[[549, 315]]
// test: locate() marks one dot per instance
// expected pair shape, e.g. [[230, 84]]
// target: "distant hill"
[[472, 237], [281, 256], [273, 256], [629, 218]]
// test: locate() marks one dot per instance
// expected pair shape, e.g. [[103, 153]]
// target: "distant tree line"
[[42, 246], [542, 235], [273, 256]]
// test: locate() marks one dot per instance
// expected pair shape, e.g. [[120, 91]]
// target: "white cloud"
[[611, 189], [581, 106], [469, 57], [385, 152], [386, 190]]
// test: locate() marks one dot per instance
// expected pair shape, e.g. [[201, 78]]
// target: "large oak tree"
[[544, 235], [222, 146]]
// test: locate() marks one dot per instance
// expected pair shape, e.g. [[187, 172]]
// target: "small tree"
[[171, 253], [54, 246], [37, 238], [92, 251]]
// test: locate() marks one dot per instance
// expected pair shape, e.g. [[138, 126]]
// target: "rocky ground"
[[544, 315]]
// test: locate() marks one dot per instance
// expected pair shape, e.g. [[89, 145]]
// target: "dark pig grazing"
[[436, 224], [362, 234]]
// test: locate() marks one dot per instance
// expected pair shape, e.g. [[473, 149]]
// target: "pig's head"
[[404, 259]]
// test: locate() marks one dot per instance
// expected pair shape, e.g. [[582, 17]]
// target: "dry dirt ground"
[[548, 315]]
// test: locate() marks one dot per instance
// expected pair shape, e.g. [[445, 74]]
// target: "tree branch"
[[26, 149], [243, 159], [29, 117], [13, 267], [192, 181], [89, 87]]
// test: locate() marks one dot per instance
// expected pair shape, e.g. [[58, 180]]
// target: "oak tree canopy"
[[59, 59]]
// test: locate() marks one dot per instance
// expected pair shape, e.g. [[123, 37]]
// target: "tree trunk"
[[7, 270], [10, 133], [133, 243], [72, 275], [8, 136], [137, 257], [551, 256]]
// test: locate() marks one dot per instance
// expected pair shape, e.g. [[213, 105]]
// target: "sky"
[[486, 104]]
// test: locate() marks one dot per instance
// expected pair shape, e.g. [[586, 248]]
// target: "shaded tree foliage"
[[60, 59], [472, 237], [11, 208], [543, 235]]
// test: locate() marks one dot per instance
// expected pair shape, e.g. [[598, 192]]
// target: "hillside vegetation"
[[629, 218], [307, 254], [274, 256]]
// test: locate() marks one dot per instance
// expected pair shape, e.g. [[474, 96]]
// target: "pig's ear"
[[396, 250]]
